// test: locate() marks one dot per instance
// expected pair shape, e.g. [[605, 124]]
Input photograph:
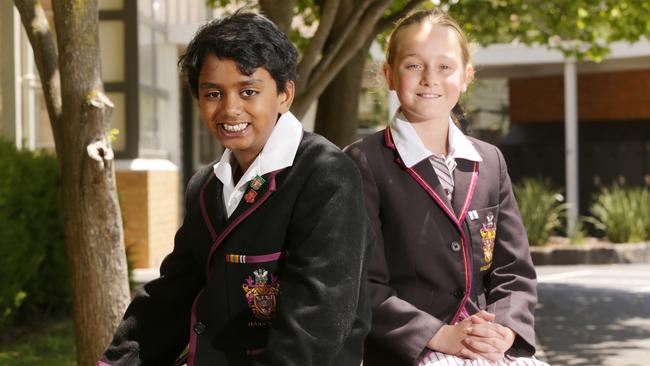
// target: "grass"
[[49, 344]]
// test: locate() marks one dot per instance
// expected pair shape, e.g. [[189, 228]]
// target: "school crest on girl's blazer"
[[488, 234]]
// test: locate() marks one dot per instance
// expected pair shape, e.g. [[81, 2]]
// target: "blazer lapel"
[[212, 206], [425, 176], [251, 196], [245, 208], [426, 171], [465, 176]]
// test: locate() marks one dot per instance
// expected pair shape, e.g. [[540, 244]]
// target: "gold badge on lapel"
[[488, 234], [261, 294]]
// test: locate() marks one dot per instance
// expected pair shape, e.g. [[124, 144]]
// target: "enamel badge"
[[255, 184], [261, 294], [488, 234], [249, 197]]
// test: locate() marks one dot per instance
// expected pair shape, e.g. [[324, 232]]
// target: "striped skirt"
[[442, 359]]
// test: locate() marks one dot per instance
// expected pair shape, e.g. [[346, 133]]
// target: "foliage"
[[541, 210], [32, 254], [49, 344], [622, 213], [582, 28]]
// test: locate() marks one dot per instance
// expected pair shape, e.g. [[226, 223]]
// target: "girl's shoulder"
[[487, 151]]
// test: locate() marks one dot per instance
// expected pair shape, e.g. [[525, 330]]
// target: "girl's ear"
[[469, 77], [388, 73]]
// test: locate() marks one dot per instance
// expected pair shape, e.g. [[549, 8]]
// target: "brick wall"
[[605, 96], [150, 211]]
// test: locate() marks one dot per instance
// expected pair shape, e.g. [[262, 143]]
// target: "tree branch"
[[388, 21], [279, 12], [332, 51], [315, 47], [41, 38], [327, 69]]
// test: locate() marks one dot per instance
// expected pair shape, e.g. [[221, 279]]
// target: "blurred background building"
[[160, 140]]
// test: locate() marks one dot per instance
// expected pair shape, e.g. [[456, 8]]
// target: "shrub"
[[623, 214], [32, 253], [541, 209]]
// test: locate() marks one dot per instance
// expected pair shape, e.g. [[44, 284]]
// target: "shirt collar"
[[278, 152], [412, 150]]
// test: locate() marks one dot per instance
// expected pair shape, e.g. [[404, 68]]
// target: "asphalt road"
[[594, 315]]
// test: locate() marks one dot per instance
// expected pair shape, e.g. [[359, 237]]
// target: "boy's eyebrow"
[[209, 85]]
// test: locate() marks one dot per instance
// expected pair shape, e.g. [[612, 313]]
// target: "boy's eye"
[[213, 95], [445, 67], [249, 92], [414, 67]]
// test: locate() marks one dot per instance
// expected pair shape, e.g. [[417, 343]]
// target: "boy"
[[268, 267]]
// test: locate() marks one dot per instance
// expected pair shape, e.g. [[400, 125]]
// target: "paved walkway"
[[594, 315]]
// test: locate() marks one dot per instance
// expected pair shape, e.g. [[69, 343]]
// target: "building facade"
[[160, 141]]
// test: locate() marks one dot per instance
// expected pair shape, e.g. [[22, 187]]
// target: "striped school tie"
[[444, 168]]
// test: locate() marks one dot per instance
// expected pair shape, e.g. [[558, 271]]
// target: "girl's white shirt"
[[412, 150]]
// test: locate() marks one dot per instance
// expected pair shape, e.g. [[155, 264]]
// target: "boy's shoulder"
[[316, 152], [199, 178]]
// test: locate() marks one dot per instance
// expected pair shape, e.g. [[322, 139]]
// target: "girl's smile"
[[428, 73]]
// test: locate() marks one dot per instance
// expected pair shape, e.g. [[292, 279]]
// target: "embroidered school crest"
[[488, 234], [261, 294]]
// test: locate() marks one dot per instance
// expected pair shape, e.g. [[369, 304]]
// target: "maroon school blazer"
[[435, 261]]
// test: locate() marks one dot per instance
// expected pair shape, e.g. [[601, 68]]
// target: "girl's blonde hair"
[[434, 16]]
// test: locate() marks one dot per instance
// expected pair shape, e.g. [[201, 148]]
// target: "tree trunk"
[[93, 225], [279, 12], [337, 116]]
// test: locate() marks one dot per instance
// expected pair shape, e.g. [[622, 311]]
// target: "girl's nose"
[[428, 78]]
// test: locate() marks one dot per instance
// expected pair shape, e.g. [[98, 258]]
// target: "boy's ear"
[[469, 77], [388, 73], [286, 97]]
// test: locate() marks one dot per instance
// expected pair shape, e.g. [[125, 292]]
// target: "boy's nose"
[[232, 105]]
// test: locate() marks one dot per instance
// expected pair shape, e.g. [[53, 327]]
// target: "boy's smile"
[[240, 110]]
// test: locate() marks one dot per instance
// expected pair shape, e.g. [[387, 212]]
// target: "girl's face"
[[428, 74]]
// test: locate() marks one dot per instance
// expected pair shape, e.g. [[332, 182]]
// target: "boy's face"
[[240, 110]]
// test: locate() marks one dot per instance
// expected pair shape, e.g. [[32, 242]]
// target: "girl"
[[451, 279]]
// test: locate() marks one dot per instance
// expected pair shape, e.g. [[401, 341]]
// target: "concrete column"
[[571, 143]]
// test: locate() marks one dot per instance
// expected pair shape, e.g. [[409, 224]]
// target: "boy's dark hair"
[[250, 40]]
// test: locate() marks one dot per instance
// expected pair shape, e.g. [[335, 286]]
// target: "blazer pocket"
[[483, 231], [253, 292]]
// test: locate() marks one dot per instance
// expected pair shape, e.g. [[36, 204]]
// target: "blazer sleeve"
[[323, 294], [396, 324], [512, 290], [155, 327]]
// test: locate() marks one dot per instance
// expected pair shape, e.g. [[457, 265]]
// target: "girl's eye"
[[444, 67], [249, 93], [414, 67]]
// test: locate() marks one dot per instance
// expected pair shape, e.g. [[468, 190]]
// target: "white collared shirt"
[[278, 152], [412, 150]]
